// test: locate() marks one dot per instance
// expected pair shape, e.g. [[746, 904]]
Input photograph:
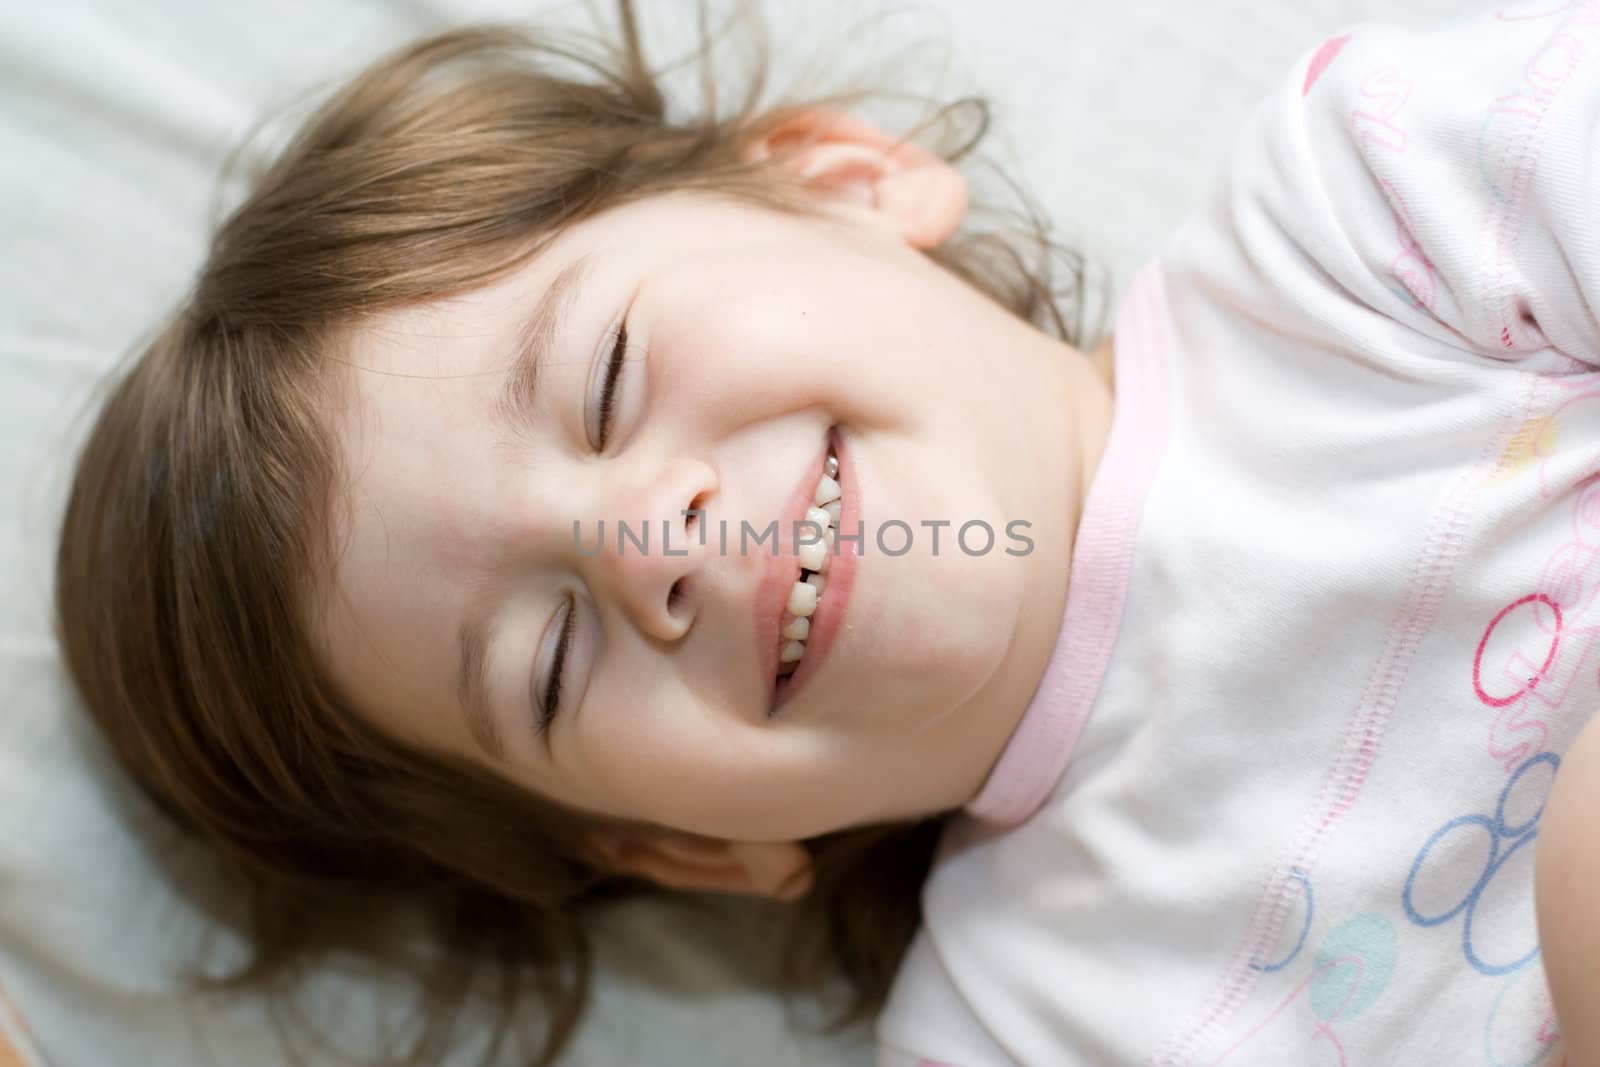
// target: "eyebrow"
[[514, 408], [533, 340], [472, 675]]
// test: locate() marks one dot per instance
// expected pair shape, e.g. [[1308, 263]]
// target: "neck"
[[1081, 421]]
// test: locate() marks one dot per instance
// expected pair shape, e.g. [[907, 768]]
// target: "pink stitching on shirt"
[[1393, 89], [1322, 1026], [1442, 544], [1545, 76], [1411, 266], [1434, 566], [1566, 589]]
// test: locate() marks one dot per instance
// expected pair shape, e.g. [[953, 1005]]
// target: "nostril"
[[674, 594], [696, 507]]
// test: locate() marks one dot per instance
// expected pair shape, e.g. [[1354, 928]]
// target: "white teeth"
[[815, 557], [803, 599]]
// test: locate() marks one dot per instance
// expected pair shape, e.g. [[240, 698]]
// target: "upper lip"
[[780, 572]]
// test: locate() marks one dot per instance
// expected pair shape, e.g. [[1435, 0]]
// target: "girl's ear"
[[777, 869], [907, 187]]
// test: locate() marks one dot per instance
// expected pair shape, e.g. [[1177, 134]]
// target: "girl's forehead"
[[411, 503]]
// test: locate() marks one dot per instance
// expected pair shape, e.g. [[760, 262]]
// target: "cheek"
[[946, 621], [750, 343], [767, 332], [685, 764], [640, 744]]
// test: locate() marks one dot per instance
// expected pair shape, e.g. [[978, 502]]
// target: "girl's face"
[[469, 587]]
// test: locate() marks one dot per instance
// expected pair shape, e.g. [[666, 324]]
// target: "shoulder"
[[1566, 870]]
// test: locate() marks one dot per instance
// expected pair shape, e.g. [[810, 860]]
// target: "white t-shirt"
[[1333, 600]]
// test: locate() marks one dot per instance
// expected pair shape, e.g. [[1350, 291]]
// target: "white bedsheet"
[[114, 118]]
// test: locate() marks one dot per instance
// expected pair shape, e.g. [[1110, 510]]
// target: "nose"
[[646, 553]]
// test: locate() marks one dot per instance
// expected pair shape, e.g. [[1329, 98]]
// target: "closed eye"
[[600, 425], [551, 702]]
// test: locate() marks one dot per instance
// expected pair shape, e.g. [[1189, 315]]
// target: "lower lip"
[[831, 605]]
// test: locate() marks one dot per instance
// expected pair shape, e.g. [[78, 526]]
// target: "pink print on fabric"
[[1320, 61]]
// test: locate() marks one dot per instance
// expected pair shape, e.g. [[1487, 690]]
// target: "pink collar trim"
[[1037, 753]]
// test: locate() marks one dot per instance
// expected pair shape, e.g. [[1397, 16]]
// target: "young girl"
[[538, 499]]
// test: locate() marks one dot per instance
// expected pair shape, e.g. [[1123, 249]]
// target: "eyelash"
[[608, 389], [552, 696]]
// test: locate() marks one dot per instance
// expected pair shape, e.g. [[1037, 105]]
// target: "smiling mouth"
[[794, 627]]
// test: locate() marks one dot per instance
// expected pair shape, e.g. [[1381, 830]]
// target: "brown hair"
[[200, 514]]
